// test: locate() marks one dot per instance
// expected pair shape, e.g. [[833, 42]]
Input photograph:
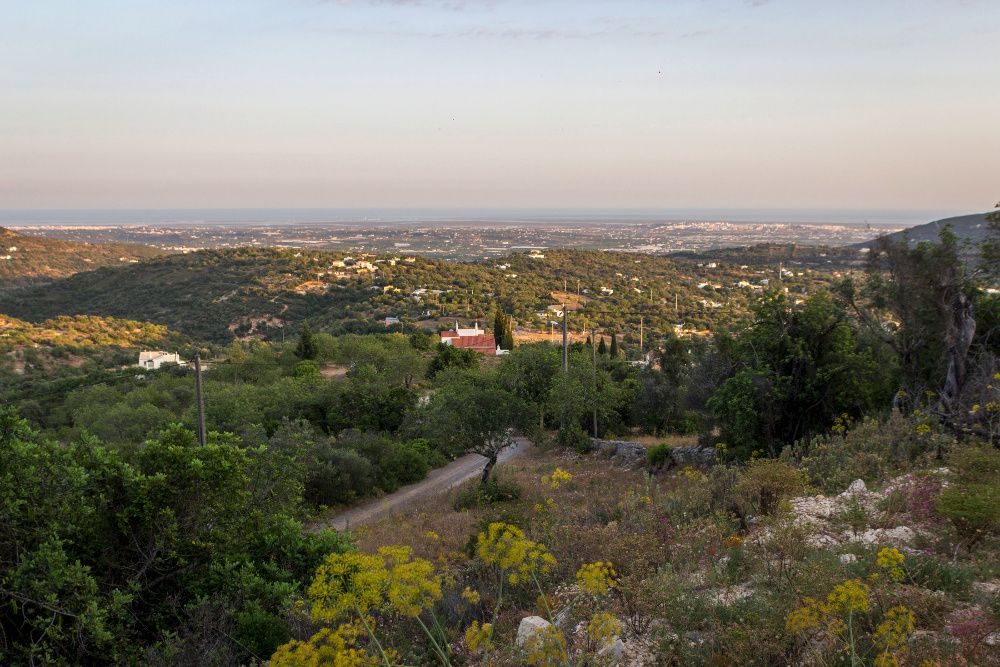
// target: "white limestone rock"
[[613, 653], [530, 627]]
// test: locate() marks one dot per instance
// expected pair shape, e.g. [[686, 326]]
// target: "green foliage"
[[103, 553], [449, 356], [473, 413], [763, 484], [573, 436], [972, 502], [869, 450], [481, 495], [306, 347], [338, 476], [658, 455], [503, 329], [796, 370]]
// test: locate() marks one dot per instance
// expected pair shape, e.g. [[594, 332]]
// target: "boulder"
[[613, 653], [856, 487], [847, 559], [529, 627], [629, 454], [695, 455]]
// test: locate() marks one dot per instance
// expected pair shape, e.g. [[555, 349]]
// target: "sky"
[[581, 104]]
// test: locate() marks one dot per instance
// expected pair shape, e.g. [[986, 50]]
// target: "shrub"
[[492, 492], [765, 483], [972, 502], [869, 450], [658, 455], [339, 476], [938, 575], [574, 436]]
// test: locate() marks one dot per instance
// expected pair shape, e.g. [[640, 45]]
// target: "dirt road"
[[458, 471]]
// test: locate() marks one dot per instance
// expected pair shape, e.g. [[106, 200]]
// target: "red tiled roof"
[[483, 343], [449, 334]]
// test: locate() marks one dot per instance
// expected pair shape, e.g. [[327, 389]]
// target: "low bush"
[[870, 450], [939, 575], [765, 483], [492, 492], [338, 476], [658, 455], [573, 436], [972, 502]]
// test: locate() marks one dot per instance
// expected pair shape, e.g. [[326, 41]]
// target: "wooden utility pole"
[[593, 337], [201, 400], [565, 341], [675, 303]]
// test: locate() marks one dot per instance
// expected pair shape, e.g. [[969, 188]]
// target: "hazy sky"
[[500, 103]]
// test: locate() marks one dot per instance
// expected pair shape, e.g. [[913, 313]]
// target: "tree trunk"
[[488, 469], [962, 331]]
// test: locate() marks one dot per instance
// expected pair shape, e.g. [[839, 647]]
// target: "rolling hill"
[[216, 295], [971, 228], [32, 260]]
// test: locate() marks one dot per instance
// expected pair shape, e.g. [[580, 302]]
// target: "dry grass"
[[571, 524], [672, 440]]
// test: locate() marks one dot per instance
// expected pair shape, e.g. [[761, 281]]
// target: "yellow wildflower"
[[546, 648], [596, 578], [557, 478], [506, 547], [471, 596], [891, 560], [412, 586], [335, 648], [479, 637], [850, 596], [345, 583], [896, 628], [603, 628], [806, 617]]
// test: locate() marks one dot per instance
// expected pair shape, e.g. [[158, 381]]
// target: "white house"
[[153, 359]]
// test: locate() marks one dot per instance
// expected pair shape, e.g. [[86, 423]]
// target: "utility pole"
[[578, 288], [593, 337], [675, 303], [201, 399], [640, 335], [565, 342]]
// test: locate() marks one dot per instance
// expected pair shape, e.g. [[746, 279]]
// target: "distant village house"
[[153, 359]]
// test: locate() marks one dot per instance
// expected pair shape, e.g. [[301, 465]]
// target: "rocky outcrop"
[[820, 513], [623, 452]]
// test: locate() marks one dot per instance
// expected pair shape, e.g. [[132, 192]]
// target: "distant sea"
[[361, 217]]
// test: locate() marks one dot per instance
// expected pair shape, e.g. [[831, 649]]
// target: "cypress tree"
[[508, 333], [614, 345], [498, 326], [602, 347], [306, 348]]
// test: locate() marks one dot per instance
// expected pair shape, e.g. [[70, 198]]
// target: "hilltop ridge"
[[31, 260]]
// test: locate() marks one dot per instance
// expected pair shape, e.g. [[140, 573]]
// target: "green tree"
[[796, 370], [471, 412], [306, 347], [921, 301], [614, 345], [602, 347], [449, 356], [528, 371]]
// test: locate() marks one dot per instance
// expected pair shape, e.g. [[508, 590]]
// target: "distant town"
[[471, 240]]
